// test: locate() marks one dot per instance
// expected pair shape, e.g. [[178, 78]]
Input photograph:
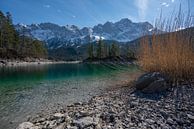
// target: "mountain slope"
[[122, 31]]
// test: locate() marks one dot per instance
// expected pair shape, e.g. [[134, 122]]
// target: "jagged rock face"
[[122, 31]]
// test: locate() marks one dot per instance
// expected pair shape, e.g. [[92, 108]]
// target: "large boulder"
[[156, 86], [151, 83], [144, 81]]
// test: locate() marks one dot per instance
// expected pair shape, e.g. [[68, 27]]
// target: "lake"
[[28, 90]]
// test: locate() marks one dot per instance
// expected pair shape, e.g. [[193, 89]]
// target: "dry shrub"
[[171, 54]]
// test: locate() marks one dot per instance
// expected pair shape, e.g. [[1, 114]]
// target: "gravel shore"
[[6, 63], [122, 108]]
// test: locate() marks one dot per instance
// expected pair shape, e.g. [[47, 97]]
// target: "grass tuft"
[[171, 54]]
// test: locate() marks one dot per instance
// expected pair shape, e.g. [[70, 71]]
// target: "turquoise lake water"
[[27, 90]]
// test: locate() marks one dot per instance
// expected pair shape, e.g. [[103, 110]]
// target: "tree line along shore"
[[14, 46]]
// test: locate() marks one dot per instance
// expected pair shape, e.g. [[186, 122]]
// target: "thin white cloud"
[[47, 6], [165, 4], [73, 16], [142, 6]]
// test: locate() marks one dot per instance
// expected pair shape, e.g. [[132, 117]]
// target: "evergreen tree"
[[109, 50], [100, 47], [106, 50], [1, 29], [9, 17], [130, 53], [12, 46], [114, 50], [90, 50]]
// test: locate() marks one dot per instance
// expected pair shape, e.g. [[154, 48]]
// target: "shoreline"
[[123, 107], [11, 63], [47, 98]]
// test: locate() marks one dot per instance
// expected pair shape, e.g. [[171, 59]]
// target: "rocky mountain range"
[[57, 36]]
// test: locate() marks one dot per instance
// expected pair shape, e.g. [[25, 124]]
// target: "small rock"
[[84, 114], [133, 104], [41, 120], [58, 115], [84, 122], [71, 127], [164, 114], [61, 126], [170, 121], [180, 122], [27, 125], [98, 126], [111, 119], [52, 124], [77, 103], [150, 121], [191, 117], [68, 119]]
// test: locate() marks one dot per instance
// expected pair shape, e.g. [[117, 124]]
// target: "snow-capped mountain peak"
[[122, 31]]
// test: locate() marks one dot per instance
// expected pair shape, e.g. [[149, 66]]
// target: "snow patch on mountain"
[[42, 34], [56, 36]]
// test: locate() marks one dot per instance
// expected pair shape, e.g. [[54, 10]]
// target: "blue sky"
[[89, 12]]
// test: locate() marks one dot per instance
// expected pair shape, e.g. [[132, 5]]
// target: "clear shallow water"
[[27, 90]]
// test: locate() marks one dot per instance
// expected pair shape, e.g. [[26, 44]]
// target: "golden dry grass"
[[171, 54]]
